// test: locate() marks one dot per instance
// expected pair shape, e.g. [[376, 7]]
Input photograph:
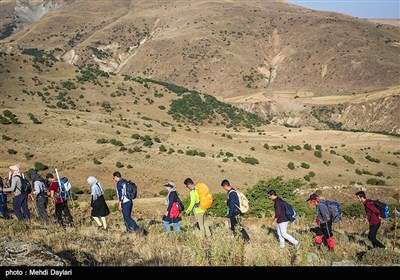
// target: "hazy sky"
[[355, 8]]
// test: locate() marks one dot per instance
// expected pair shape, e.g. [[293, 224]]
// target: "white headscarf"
[[95, 187], [16, 170], [170, 189]]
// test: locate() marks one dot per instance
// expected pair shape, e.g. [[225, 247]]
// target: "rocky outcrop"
[[20, 253]]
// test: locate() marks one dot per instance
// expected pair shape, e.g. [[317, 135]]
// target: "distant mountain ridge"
[[229, 49]]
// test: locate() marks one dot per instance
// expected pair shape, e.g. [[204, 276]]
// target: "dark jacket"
[[280, 210], [173, 197], [233, 203], [372, 212]]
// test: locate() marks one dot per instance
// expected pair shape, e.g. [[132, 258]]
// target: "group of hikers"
[[49, 187]]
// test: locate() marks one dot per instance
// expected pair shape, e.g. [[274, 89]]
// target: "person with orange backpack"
[[196, 204]]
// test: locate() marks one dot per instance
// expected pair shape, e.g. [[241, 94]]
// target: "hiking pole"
[[395, 229]]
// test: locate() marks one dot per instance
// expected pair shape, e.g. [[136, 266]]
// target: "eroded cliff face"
[[378, 114], [18, 15], [29, 11]]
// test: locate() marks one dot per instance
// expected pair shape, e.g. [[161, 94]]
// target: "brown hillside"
[[252, 46], [116, 108]]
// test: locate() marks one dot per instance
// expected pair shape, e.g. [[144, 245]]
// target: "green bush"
[[349, 159], [291, 165], [318, 154], [353, 209], [11, 151], [249, 160], [163, 192], [305, 165], [307, 147], [40, 166], [376, 182], [109, 194]]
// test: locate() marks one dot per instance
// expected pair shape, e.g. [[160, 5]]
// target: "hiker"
[[40, 190], [281, 220], [324, 222], [195, 208], [60, 204], [3, 202], [172, 215], [373, 217], [99, 206], [125, 205], [232, 204], [20, 200]]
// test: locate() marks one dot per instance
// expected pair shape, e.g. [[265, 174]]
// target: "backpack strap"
[[16, 188]]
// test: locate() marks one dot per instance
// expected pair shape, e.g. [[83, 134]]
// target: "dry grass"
[[86, 245]]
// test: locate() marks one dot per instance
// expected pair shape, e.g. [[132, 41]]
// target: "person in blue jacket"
[[233, 211]]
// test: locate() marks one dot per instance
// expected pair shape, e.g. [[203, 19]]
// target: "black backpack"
[[26, 185]]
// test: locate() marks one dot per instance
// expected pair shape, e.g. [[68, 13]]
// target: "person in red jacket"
[[373, 217]]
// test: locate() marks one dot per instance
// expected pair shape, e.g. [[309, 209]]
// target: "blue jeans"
[[130, 223], [3, 206], [21, 201], [168, 228]]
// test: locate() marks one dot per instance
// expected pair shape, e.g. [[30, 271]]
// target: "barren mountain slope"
[[252, 46]]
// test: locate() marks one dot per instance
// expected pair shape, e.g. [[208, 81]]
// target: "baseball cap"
[[312, 197], [170, 184]]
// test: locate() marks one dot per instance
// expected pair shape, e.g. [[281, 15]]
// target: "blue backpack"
[[290, 212], [383, 208], [65, 186], [131, 190], [334, 210]]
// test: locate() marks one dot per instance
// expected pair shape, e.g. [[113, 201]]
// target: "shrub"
[[109, 194], [11, 151], [305, 165], [96, 161], [249, 160], [5, 138], [40, 166], [119, 164], [376, 182], [163, 192], [291, 165], [318, 154], [307, 147], [349, 159]]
